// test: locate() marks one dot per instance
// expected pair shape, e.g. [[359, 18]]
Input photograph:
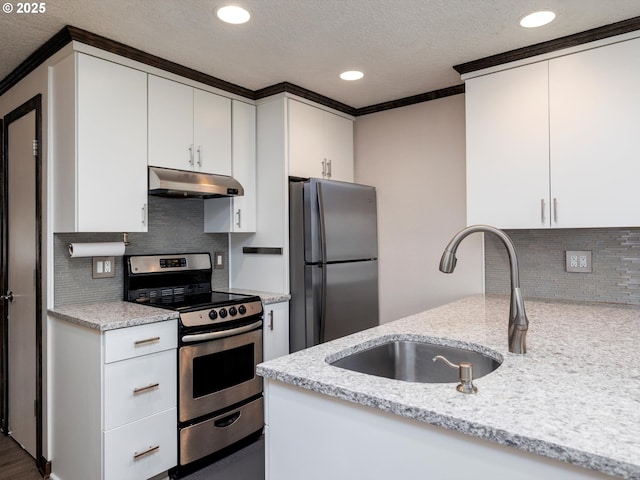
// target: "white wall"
[[415, 157]]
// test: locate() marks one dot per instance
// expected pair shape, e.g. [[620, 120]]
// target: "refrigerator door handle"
[[323, 233], [323, 303], [323, 250]]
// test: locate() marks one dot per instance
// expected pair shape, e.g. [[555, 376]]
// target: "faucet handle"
[[465, 370]]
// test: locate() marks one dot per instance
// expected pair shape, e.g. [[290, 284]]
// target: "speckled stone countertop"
[[575, 396], [266, 297], [112, 315]]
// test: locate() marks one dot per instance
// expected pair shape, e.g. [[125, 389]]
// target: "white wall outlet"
[[104, 267], [578, 261]]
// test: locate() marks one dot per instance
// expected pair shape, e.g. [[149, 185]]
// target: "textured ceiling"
[[404, 47]]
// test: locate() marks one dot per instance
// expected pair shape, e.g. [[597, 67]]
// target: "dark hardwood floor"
[[15, 463]]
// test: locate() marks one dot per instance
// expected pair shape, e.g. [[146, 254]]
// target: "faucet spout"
[[518, 322]]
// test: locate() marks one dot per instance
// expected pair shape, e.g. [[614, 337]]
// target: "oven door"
[[218, 373]]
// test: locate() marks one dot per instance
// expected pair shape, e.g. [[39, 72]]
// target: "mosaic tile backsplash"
[[175, 226], [541, 256]]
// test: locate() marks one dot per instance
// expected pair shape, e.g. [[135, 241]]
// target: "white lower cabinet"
[[114, 401], [276, 330]]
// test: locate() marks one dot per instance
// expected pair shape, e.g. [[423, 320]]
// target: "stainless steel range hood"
[[166, 182]]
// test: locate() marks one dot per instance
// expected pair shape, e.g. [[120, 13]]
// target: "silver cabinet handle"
[[239, 224], [191, 155], [138, 390], [324, 168], [8, 297], [139, 343], [139, 455], [329, 169], [144, 214], [555, 210], [542, 210], [270, 319], [200, 155]]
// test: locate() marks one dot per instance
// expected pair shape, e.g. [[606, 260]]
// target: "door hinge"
[[35, 148]]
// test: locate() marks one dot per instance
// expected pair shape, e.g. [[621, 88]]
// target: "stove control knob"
[[233, 311], [213, 314], [242, 309], [223, 312]]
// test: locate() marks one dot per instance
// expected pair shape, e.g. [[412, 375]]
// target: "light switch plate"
[[218, 260], [104, 267], [578, 261]]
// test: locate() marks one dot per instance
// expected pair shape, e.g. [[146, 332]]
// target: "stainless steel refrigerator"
[[333, 260]]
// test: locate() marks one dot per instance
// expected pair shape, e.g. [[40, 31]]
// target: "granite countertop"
[[111, 315], [575, 396], [266, 297]]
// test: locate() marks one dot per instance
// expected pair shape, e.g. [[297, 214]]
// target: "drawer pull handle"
[[138, 390], [227, 421], [139, 343], [138, 456]]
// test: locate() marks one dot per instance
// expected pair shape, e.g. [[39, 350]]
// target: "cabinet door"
[[111, 139], [338, 142], [508, 148], [306, 140], [212, 132], [276, 330], [594, 113], [244, 166], [170, 124], [237, 214]]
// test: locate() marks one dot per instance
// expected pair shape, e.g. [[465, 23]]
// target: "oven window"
[[217, 371]]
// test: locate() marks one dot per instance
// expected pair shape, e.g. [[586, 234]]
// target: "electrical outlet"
[[578, 261], [104, 267]]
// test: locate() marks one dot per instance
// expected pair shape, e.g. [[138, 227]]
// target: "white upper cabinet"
[[508, 148], [594, 101], [320, 143], [237, 214], [554, 144], [189, 129], [99, 123]]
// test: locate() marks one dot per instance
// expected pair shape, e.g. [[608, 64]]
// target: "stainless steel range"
[[219, 345]]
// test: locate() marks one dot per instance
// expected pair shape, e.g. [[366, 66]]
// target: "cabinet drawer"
[[141, 449], [139, 387], [131, 342]]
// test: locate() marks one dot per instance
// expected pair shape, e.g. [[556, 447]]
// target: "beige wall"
[[415, 157]]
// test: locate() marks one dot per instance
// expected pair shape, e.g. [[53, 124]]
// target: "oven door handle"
[[199, 337]]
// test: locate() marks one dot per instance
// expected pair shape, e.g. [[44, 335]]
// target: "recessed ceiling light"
[[537, 19], [351, 75], [233, 14]]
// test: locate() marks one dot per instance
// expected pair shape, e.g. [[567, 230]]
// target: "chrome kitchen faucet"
[[518, 322]]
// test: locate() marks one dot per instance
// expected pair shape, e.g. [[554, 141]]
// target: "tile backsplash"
[[541, 257], [175, 226]]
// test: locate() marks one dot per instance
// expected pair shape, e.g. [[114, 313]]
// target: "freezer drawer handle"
[[228, 421], [138, 390], [148, 451]]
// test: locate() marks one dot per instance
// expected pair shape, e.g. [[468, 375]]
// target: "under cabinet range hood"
[[166, 182]]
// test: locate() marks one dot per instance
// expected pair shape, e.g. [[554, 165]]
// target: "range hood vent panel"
[[166, 182]]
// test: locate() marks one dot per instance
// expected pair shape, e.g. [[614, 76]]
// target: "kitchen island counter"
[[573, 397]]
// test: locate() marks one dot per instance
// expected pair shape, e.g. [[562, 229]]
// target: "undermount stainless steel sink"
[[412, 361]]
